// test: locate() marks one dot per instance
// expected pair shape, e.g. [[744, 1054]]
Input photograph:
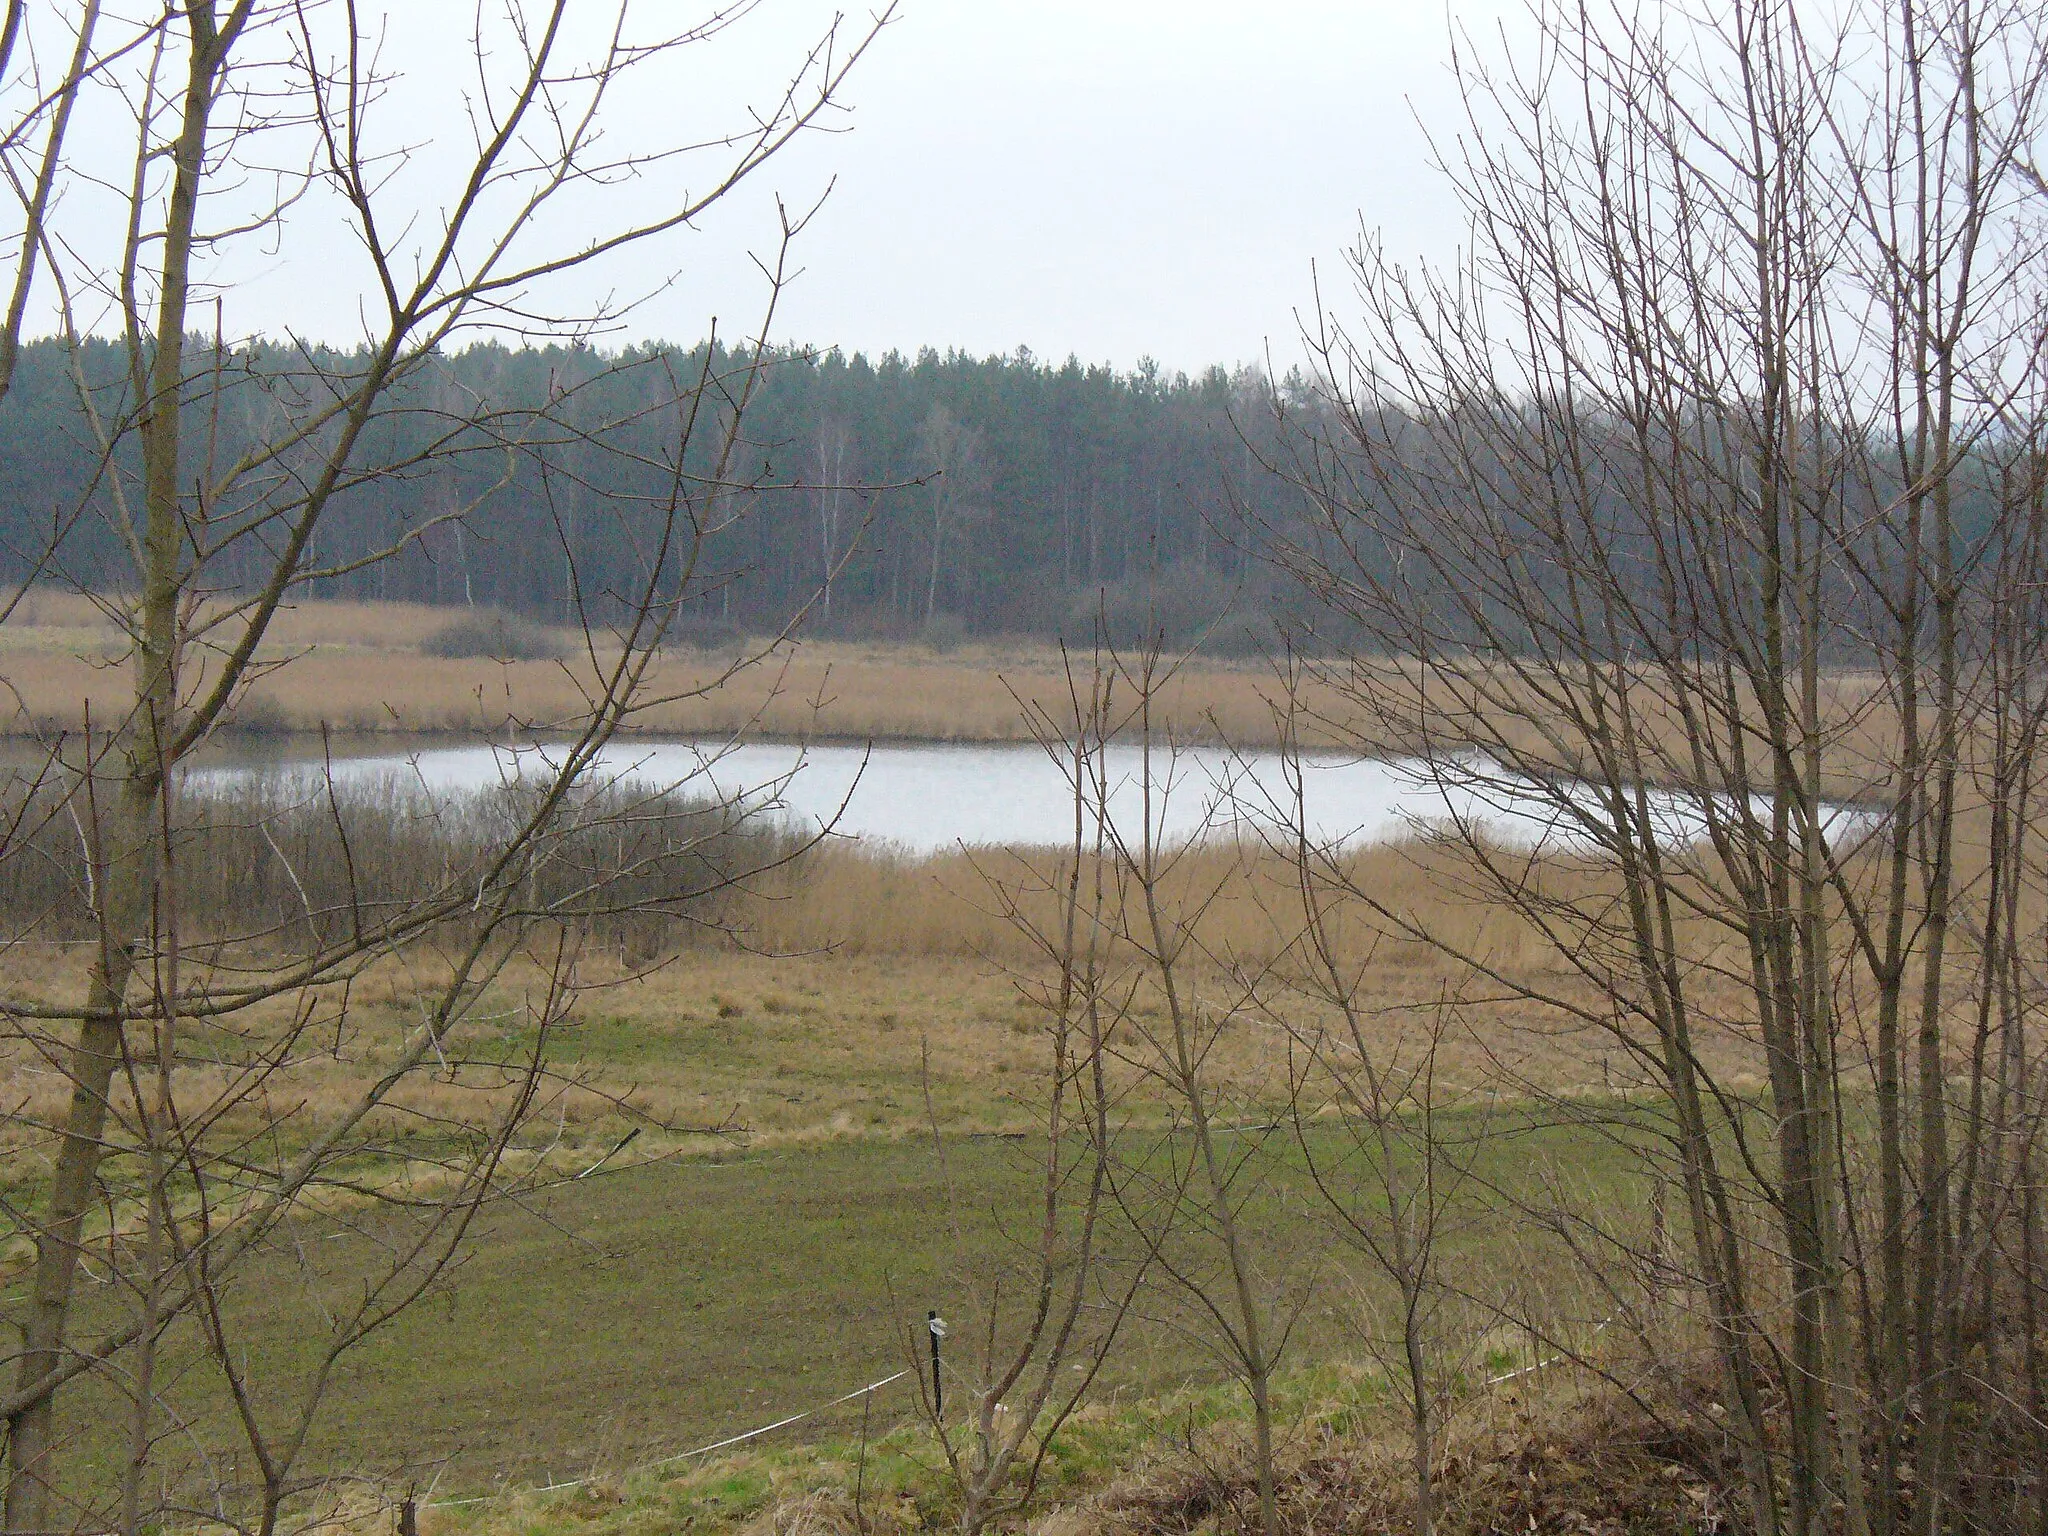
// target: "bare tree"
[[830, 447], [1688, 534], [37, 129], [182, 1028], [1389, 1177], [954, 453], [1034, 1361], [1194, 1189]]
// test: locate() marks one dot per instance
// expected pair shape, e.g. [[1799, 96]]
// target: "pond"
[[929, 797]]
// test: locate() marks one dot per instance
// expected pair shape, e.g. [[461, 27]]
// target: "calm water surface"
[[927, 797]]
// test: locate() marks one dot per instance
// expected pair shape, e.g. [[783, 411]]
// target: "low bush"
[[496, 634], [943, 632], [709, 635], [1186, 605]]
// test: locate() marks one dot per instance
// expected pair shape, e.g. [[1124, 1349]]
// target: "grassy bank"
[[1570, 1459], [864, 981], [621, 1319]]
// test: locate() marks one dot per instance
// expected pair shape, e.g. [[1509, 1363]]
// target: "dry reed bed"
[[58, 653], [811, 1014], [1241, 906], [854, 975]]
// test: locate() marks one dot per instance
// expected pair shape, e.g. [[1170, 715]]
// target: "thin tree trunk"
[[127, 874]]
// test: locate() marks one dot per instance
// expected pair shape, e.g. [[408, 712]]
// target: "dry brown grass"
[[811, 1041], [357, 667], [869, 984], [866, 980], [1576, 1456], [1242, 908]]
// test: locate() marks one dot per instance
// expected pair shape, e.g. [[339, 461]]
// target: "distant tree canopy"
[[941, 495]]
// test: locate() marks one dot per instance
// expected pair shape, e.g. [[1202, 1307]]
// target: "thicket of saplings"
[[287, 859]]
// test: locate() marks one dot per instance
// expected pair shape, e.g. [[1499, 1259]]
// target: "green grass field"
[[625, 1318]]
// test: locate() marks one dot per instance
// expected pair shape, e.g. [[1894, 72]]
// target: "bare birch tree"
[[955, 453]]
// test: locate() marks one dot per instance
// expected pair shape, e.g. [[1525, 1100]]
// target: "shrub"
[[1181, 606], [943, 632], [282, 855], [257, 714], [494, 633], [710, 635]]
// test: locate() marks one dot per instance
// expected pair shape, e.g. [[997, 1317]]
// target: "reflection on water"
[[924, 798]]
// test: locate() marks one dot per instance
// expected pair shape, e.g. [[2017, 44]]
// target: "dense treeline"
[[938, 496], [931, 498]]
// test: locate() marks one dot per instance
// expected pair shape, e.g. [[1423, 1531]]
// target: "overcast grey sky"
[[1111, 178]]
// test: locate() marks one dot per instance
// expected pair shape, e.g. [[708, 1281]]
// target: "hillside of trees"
[[940, 496]]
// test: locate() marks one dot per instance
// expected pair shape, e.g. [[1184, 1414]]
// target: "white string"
[[703, 1450], [1540, 1365], [873, 1386], [719, 1445]]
